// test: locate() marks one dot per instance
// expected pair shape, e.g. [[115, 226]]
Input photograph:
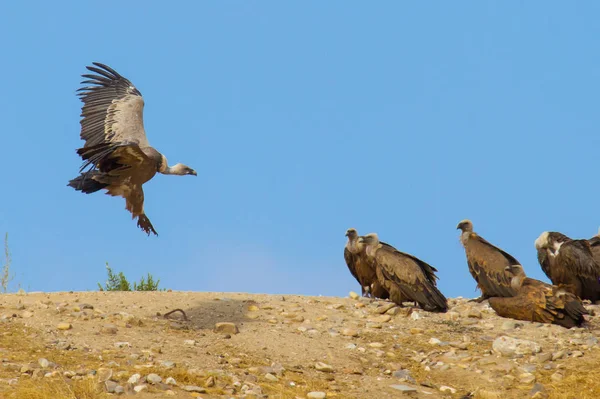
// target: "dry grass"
[[58, 388], [582, 379]]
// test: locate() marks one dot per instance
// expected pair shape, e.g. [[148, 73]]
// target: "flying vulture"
[[116, 150], [361, 268], [487, 264], [405, 277], [539, 302], [570, 263]]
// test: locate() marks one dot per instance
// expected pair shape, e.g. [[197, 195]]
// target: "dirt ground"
[[285, 347]]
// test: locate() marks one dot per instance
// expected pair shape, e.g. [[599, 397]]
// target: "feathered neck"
[[178, 169]]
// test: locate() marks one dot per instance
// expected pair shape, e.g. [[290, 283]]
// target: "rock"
[[415, 331], [348, 332], [544, 357], [154, 378], [404, 375], [527, 378], [271, 377], [194, 388], [577, 354], [210, 382], [452, 316], [415, 315], [134, 379], [403, 388], [485, 394], [119, 390], [394, 311], [26, 315], [189, 342], [122, 345], [384, 318], [510, 325], [44, 363], [64, 326], [170, 381], [354, 295], [167, 364], [109, 329], [86, 306], [110, 386], [474, 313], [316, 395], [140, 388], [226, 328], [445, 388], [253, 308], [104, 374], [384, 308], [320, 366], [537, 388], [558, 355], [509, 347], [434, 341], [556, 377], [376, 345]]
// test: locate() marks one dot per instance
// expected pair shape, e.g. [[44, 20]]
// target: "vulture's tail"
[[86, 184]]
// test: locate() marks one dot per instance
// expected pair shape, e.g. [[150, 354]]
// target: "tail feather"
[[86, 184]]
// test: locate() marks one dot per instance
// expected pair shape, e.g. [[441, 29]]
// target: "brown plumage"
[[487, 263], [116, 150], [361, 268], [539, 302], [404, 276], [595, 246], [570, 263]]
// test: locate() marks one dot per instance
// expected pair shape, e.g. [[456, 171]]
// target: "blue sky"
[[302, 119]]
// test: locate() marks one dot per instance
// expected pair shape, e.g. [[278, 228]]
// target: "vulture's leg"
[[144, 224]]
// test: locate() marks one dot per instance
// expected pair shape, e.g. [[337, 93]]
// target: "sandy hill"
[[90, 345]]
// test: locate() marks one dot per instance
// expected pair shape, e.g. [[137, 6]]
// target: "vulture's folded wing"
[[487, 263], [407, 275]]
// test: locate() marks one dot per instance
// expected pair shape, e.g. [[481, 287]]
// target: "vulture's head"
[[551, 241], [542, 241], [515, 270], [351, 234], [369, 239], [465, 225], [181, 170]]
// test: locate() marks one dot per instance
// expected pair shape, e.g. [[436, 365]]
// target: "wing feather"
[[112, 108], [408, 276], [487, 265]]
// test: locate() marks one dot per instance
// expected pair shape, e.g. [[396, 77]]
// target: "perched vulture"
[[361, 269], [595, 246], [539, 302], [405, 277], [570, 263], [116, 149], [487, 264]]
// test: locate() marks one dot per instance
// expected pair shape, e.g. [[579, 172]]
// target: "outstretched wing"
[[112, 109]]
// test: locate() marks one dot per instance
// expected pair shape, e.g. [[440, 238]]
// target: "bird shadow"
[[204, 314]]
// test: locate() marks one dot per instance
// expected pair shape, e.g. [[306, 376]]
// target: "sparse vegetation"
[[118, 282], [6, 276]]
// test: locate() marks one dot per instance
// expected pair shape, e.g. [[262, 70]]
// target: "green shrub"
[[118, 282]]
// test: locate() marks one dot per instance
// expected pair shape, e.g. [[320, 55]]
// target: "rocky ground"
[[89, 345]]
